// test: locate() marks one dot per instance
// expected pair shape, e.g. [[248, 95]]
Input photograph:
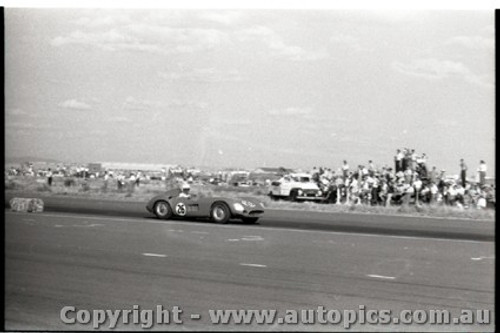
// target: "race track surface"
[[90, 261], [352, 223]]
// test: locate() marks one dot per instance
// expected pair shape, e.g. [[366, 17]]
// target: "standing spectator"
[[433, 175], [463, 172], [425, 193], [434, 193], [360, 172], [408, 174], [406, 159], [417, 185], [354, 192], [328, 174], [482, 173], [120, 181], [332, 192], [398, 160], [383, 191], [315, 175], [138, 178], [451, 195], [345, 170], [460, 194], [49, 177], [106, 177], [375, 188], [314, 171], [339, 182], [371, 168], [413, 158], [132, 179], [422, 165]]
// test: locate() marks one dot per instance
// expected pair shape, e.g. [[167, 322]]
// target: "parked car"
[[296, 187]]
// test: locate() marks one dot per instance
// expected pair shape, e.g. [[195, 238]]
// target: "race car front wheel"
[[220, 213], [162, 210]]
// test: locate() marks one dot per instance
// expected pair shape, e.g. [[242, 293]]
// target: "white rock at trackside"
[[31, 205]]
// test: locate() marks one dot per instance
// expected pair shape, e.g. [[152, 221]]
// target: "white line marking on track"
[[481, 258], [252, 238], [252, 265], [200, 232], [88, 225], [381, 276], [200, 224], [155, 255], [79, 225], [246, 238], [394, 215]]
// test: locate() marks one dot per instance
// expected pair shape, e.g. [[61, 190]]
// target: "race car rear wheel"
[[162, 210], [220, 213]]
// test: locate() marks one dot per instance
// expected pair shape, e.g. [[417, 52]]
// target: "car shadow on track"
[[202, 220]]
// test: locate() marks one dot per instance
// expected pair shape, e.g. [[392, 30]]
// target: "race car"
[[219, 209]]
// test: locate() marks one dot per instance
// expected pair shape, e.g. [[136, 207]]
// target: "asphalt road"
[[53, 260]]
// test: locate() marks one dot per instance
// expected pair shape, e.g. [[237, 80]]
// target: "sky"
[[250, 87]]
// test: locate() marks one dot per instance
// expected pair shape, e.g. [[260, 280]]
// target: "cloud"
[[223, 17], [210, 75], [235, 122], [146, 38], [163, 33], [132, 103], [17, 112], [295, 53], [21, 126], [346, 41], [472, 42], [120, 119], [110, 40], [291, 111], [258, 31], [74, 104], [277, 46], [99, 21], [434, 69], [396, 16], [179, 40]]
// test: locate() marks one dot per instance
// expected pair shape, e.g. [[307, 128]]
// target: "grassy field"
[[99, 189]]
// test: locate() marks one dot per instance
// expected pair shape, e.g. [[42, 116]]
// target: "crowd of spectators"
[[409, 181], [123, 178]]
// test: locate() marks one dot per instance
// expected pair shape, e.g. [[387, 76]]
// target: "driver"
[[185, 188]]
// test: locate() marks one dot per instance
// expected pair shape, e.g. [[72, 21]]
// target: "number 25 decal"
[[180, 209]]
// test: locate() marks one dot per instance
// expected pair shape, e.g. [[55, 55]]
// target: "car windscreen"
[[301, 179]]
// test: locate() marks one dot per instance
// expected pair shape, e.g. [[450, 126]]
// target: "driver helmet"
[[185, 188]]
